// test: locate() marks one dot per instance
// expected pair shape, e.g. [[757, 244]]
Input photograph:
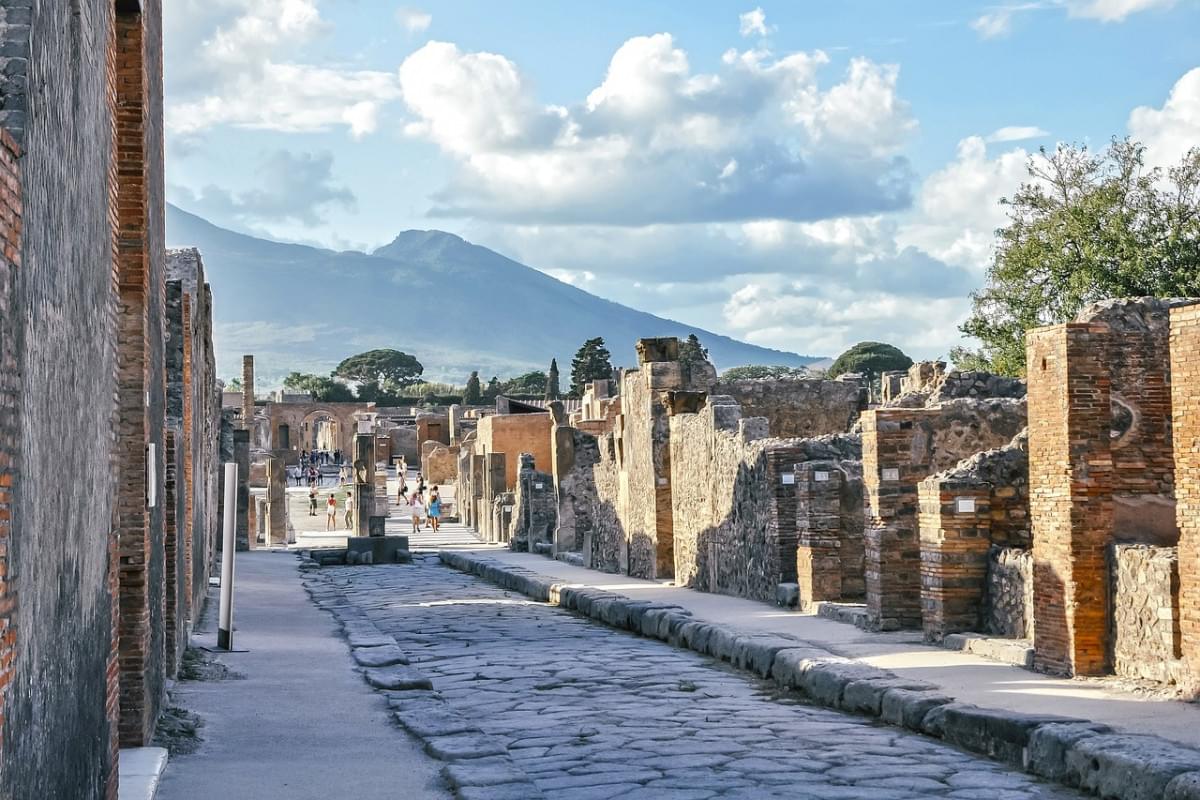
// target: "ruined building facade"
[[108, 400]]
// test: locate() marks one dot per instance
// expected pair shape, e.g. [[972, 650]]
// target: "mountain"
[[455, 305]]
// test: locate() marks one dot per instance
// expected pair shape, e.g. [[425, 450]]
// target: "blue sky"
[[802, 175]]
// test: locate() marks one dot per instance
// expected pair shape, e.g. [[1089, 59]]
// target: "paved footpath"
[[590, 713], [300, 723]]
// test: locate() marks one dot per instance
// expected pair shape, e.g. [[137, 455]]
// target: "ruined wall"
[[1145, 598], [1009, 608], [439, 463], [797, 407], [534, 512], [514, 434], [902, 447], [606, 546], [575, 455], [404, 443]]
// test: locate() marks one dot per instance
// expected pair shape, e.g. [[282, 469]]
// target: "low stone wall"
[[1008, 611], [1145, 604]]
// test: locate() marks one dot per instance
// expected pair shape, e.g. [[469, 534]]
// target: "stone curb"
[[1076, 753], [477, 766]]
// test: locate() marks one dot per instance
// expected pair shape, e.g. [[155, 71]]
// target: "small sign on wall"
[[891, 474], [788, 478], [151, 475], [508, 509], [662, 481], [820, 477], [964, 505], [539, 486]]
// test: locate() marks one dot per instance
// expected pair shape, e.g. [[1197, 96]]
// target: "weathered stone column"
[[241, 455], [364, 482], [1070, 480], [248, 392]]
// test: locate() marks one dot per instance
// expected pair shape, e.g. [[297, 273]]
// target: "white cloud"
[[994, 24], [1016, 133], [1169, 132], [753, 23], [657, 142], [414, 20], [1114, 10], [237, 62]]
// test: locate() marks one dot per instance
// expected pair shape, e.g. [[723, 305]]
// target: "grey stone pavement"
[[590, 713], [299, 723]]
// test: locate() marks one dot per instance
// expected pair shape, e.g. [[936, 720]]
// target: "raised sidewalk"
[[1078, 732]]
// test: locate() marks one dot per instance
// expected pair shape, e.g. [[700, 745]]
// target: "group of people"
[[308, 471], [316, 458], [421, 507], [331, 508]]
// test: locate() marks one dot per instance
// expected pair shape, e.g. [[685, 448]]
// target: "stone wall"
[[512, 435], [1145, 598], [829, 521], [797, 407], [929, 383], [1009, 608], [902, 447], [439, 463], [534, 513]]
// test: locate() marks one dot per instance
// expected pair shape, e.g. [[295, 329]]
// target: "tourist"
[[418, 511], [401, 488], [312, 502], [331, 513], [435, 509], [420, 483], [349, 510]]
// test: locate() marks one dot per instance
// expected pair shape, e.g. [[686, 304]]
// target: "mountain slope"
[[455, 305]]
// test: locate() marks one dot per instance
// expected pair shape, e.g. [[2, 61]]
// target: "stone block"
[[428, 723], [489, 772], [996, 733], [866, 696], [825, 682], [1184, 787], [397, 677], [664, 348], [1128, 766], [463, 746], [908, 708], [757, 653], [384, 656], [789, 666], [1046, 754], [787, 595]]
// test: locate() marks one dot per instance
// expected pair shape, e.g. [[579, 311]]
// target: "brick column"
[[10, 387], [1070, 480], [248, 393], [955, 522], [241, 456], [818, 528], [189, 445], [1185, 418], [172, 606]]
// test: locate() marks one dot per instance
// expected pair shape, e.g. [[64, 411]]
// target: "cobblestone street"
[[588, 712]]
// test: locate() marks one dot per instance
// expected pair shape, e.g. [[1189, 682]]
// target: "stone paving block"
[[720, 642], [997, 733], [456, 747], [1184, 787], [866, 696], [483, 772], [428, 723], [757, 653], [397, 677], [1127, 766], [382, 656], [908, 708], [368, 637], [824, 682], [507, 791], [788, 666]]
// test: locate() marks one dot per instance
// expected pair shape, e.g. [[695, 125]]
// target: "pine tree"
[[552, 390], [592, 363], [473, 396], [691, 354]]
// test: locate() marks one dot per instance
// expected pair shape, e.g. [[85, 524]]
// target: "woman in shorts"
[[435, 508], [331, 513], [418, 511]]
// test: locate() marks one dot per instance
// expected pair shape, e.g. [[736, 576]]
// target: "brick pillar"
[[276, 522], [188, 446], [364, 482], [819, 532], [1185, 419], [171, 549], [10, 386], [1070, 481], [893, 552], [248, 393], [955, 524], [133, 285], [494, 481], [478, 468], [241, 455]]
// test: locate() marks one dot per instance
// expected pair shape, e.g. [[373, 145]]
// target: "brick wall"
[[512, 435], [248, 392], [10, 264], [1185, 420]]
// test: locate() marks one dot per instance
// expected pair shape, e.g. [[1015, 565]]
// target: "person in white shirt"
[[418, 511], [349, 510]]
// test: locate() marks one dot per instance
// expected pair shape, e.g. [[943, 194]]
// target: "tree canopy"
[[323, 389], [389, 370], [530, 383], [552, 390], [870, 359], [473, 396], [1085, 227], [591, 363], [754, 371], [691, 354]]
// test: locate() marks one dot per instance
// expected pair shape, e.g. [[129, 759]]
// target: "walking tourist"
[[312, 501], [330, 513], [420, 483], [435, 509], [418, 511], [349, 510]]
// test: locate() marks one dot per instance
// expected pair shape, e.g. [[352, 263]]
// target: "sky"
[[801, 175]]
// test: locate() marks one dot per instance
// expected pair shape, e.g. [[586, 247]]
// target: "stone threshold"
[[1074, 752], [139, 770]]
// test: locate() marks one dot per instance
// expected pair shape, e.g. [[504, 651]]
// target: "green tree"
[[473, 395], [323, 389], [754, 371], [591, 363], [1086, 227], [691, 354], [552, 390], [389, 370], [530, 383], [233, 385], [493, 389], [870, 359]]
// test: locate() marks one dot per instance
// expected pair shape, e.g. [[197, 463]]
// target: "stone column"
[[478, 469], [1070, 482], [248, 392], [1185, 418], [364, 482], [241, 455], [276, 522]]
